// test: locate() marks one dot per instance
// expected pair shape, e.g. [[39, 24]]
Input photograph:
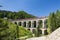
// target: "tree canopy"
[[53, 21], [7, 30], [15, 15]]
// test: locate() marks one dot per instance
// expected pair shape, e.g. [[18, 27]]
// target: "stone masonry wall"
[[53, 36]]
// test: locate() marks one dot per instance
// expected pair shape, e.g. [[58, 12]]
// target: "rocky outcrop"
[[54, 35]]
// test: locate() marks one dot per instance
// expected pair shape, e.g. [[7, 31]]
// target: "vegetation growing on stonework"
[[40, 23], [23, 32]]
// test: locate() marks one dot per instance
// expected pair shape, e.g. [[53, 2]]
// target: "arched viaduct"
[[31, 23]]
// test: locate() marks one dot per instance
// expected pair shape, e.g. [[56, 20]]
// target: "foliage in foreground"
[[8, 30], [23, 32], [53, 21]]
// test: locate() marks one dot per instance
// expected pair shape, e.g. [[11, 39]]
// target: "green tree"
[[58, 18], [7, 30], [51, 22], [9, 15], [40, 23]]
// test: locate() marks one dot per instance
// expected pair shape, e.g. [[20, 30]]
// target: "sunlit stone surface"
[[53, 36]]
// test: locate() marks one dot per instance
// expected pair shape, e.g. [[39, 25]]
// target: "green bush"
[[7, 30], [23, 32]]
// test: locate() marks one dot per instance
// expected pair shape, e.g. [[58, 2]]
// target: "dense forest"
[[15, 15]]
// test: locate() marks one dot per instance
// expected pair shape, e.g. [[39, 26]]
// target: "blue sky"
[[34, 7]]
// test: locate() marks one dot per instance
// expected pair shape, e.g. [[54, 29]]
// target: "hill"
[[15, 15]]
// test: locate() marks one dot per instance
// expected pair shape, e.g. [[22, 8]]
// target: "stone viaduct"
[[31, 23]]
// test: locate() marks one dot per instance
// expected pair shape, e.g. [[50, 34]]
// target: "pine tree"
[[51, 22]]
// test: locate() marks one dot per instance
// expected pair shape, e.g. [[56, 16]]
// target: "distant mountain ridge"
[[15, 15]]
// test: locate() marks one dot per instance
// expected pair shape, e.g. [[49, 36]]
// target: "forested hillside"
[[15, 15]]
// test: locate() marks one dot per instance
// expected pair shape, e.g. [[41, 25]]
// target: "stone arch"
[[40, 23], [45, 32], [29, 24], [34, 30], [15, 23], [20, 24], [34, 24], [24, 24], [29, 29], [40, 32]]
